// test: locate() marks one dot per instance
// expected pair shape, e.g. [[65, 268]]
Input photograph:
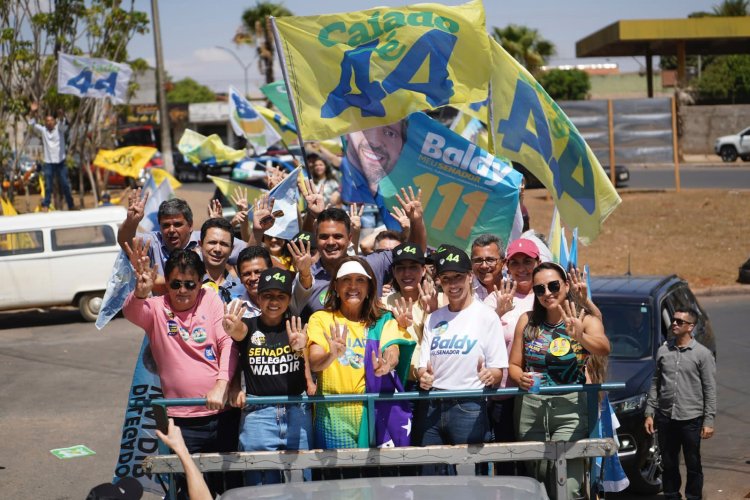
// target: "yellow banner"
[[7, 207], [159, 174], [127, 162], [530, 128], [359, 70], [198, 148]]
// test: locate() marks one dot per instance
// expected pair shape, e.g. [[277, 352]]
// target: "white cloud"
[[212, 55]]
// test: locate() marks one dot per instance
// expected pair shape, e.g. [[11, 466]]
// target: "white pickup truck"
[[729, 147]]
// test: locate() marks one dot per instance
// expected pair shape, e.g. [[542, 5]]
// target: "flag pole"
[[292, 100]]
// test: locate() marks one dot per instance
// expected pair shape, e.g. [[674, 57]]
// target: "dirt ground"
[[701, 235]]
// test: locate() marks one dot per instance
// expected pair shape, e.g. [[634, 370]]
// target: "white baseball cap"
[[351, 267]]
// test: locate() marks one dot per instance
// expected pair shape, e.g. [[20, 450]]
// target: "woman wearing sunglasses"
[[195, 357], [553, 342]]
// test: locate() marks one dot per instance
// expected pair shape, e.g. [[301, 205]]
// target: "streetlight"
[[245, 67]]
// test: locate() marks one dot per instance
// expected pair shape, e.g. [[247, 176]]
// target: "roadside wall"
[[702, 125]]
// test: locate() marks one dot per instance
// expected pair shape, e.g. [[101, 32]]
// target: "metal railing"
[[463, 456]]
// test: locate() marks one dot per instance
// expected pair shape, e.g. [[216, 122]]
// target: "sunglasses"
[[177, 284], [680, 322], [552, 286]]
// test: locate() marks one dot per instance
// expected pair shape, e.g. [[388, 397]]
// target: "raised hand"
[[145, 273], [240, 217], [274, 176], [386, 290], [215, 209], [262, 215], [573, 321], [337, 340], [136, 206], [137, 253], [403, 312], [578, 285], [427, 378], [296, 333], [387, 361], [504, 296], [411, 203], [239, 198], [355, 217], [313, 197], [401, 218], [232, 321], [301, 256], [428, 296]]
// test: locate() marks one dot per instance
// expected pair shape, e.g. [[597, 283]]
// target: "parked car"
[[622, 175], [637, 313], [729, 147], [43, 255]]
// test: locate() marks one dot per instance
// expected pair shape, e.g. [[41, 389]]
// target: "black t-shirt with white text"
[[270, 365]]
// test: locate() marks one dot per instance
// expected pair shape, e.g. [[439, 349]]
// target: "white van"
[[58, 258]]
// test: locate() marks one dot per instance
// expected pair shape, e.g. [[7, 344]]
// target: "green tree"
[[731, 8], [525, 44], [726, 80], [256, 29], [188, 90], [566, 84]]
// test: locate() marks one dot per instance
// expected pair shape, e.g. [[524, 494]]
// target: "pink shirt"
[[521, 305], [191, 349]]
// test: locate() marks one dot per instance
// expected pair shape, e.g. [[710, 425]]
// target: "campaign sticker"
[[559, 347], [199, 334], [184, 334], [73, 452], [322, 297], [258, 338], [441, 328], [209, 353], [172, 328]]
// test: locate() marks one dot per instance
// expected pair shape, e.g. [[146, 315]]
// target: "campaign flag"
[[563, 253], [128, 161], [248, 123], [573, 255], [286, 198], [471, 129], [465, 190], [607, 473], [530, 128], [554, 236], [93, 77], [230, 188], [359, 70], [160, 175], [121, 283], [283, 126], [276, 93], [138, 439], [156, 195], [198, 148]]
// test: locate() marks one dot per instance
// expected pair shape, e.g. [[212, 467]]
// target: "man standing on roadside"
[[682, 405], [53, 141]]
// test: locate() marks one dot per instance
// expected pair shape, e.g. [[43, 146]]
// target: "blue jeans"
[[59, 170], [454, 421], [673, 436], [273, 428]]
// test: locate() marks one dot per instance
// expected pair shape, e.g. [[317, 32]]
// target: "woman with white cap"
[[356, 346]]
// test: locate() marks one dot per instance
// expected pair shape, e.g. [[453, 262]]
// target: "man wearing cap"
[[461, 349], [273, 364], [333, 227]]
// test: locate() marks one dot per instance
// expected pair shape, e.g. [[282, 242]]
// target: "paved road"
[[65, 383], [691, 177]]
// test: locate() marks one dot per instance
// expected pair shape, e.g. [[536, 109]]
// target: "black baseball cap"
[[306, 237], [276, 278], [408, 251], [450, 258], [127, 488]]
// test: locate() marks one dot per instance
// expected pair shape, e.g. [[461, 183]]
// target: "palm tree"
[[731, 8], [256, 28], [525, 45]]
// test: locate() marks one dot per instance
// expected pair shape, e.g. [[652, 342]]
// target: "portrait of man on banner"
[[370, 155]]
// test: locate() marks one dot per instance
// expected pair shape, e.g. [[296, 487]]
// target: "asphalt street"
[[66, 383], [691, 177]]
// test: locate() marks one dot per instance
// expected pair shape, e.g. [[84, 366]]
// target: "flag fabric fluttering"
[[231, 189], [359, 70], [93, 77], [528, 127], [198, 148], [286, 199], [127, 161], [276, 93], [247, 122]]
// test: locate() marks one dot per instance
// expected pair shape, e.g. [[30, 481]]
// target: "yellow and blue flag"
[[248, 123], [128, 161], [198, 148], [230, 188], [360, 70], [531, 129]]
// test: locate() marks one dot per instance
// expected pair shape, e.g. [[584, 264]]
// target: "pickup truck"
[[729, 147]]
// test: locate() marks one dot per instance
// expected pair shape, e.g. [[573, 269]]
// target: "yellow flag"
[[530, 128], [159, 174], [7, 207], [230, 189], [359, 70], [283, 126], [198, 148], [127, 162], [22, 240]]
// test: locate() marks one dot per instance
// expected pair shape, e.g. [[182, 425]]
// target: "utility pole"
[[245, 67], [161, 95]]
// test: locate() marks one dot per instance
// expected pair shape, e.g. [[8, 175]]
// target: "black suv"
[[637, 312]]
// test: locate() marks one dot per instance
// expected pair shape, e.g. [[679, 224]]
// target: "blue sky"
[[192, 29]]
